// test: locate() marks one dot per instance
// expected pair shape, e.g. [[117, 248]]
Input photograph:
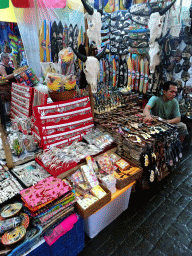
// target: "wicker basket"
[[95, 206], [61, 96], [121, 183]]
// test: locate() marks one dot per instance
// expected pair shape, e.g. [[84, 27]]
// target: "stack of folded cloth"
[[49, 201]]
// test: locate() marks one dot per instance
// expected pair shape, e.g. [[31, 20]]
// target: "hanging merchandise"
[[70, 35], [111, 72], [81, 36], [144, 9], [137, 69], [133, 71], [114, 72], [142, 68], [117, 70], [48, 43], [60, 36], [121, 73], [54, 43], [110, 6], [42, 41], [130, 68], [104, 73], [125, 68], [146, 75], [65, 36], [75, 36], [107, 73]]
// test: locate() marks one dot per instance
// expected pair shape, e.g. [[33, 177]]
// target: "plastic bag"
[[50, 67], [66, 61]]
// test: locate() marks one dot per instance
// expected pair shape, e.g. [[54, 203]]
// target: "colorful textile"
[[44, 192], [52, 214], [49, 206], [35, 209], [58, 206], [61, 229], [50, 225]]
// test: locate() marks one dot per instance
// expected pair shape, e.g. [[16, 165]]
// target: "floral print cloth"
[[44, 192]]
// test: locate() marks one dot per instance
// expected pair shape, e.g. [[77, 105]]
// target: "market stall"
[[77, 142]]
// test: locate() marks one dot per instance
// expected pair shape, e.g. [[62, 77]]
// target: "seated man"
[[167, 108]]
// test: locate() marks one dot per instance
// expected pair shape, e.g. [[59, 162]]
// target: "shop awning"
[[7, 11], [28, 3]]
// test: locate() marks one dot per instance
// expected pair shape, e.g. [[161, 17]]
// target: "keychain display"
[[21, 145], [59, 160], [99, 139], [22, 124], [132, 135], [29, 144]]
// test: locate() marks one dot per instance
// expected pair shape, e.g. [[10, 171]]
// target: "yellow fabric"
[[8, 14], [75, 5]]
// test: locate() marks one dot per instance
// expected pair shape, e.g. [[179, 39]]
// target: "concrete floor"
[[158, 221]]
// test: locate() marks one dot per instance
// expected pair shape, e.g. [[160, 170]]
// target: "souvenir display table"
[[68, 165]]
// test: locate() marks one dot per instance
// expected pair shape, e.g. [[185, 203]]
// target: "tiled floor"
[[157, 221]]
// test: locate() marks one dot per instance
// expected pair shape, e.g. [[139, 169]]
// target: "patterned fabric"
[[44, 192], [67, 200], [52, 214], [42, 211]]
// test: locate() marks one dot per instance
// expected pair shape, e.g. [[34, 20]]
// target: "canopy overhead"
[[8, 14], [40, 3]]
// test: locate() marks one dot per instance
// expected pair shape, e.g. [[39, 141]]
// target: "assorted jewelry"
[[99, 139], [9, 186], [61, 124], [20, 143], [30, 173], [58, 158], [56, 109]]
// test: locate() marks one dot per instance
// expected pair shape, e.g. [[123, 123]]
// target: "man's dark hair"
[[167, 85]]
